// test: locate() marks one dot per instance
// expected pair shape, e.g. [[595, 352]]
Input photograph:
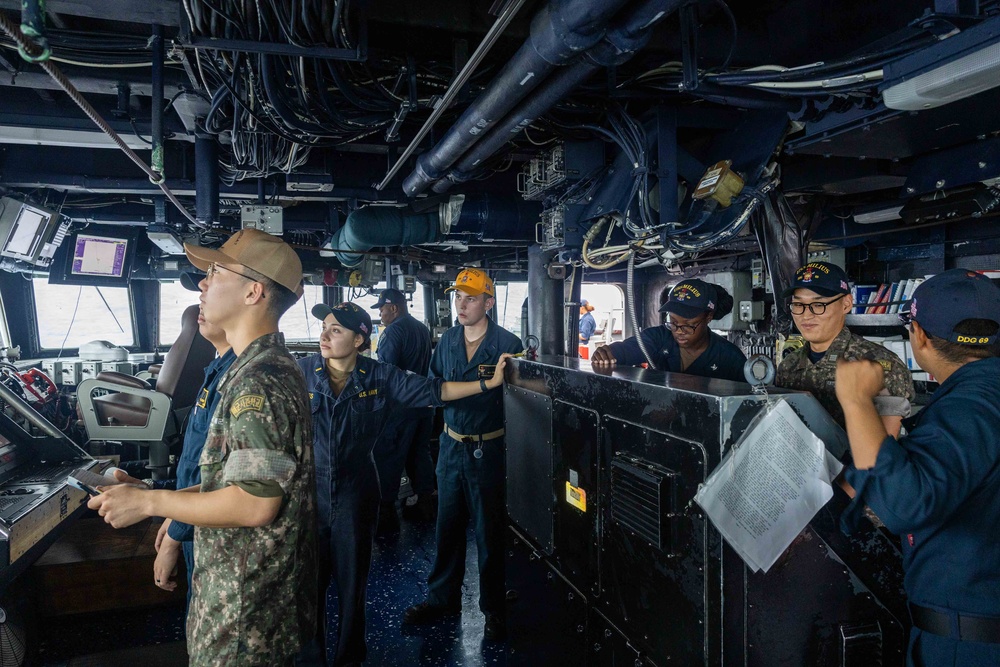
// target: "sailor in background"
[[406, 344], [587, 322], [684, 344], [939, 486]]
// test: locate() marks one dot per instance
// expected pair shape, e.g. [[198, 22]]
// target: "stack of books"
[[884, 298]]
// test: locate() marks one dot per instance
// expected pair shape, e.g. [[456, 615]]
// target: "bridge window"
[[70, 315], [609, 310], [298, 324], [174, 299], [510, 298]]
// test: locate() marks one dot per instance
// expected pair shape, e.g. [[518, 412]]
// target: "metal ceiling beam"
[[163, 12], [90, 85], [48, 136], [181, 187]]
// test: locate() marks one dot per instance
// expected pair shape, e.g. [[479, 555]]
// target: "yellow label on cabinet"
[[576, 497]]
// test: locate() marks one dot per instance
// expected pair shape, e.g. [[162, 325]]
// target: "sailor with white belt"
[[470, 467]]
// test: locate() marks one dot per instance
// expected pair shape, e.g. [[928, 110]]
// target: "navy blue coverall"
[[406, 344], [345, 430], [939, 489], [587, 326], [188, 471], [467, 486], [721, 359]]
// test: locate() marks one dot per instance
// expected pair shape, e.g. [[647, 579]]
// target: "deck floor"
[[398, 579]]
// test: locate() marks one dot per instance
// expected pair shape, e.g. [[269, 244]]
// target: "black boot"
[[423, 510]]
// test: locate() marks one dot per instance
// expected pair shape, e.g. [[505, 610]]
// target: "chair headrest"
[[123, 379], [184, 367]]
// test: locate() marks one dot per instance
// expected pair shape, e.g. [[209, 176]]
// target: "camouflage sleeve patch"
[[246, 403], [259, 465]]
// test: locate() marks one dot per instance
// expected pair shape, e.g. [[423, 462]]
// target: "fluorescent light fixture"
[[53, 136], [953, 69], [308, 182], [955, 81], [881, 214]]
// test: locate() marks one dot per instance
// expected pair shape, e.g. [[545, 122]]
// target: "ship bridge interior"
[[460, 134], [563, 147]]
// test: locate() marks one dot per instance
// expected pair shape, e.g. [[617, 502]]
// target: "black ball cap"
[[390, 295], [347, 314]]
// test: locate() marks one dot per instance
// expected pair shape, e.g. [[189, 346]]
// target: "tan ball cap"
[[257, 250]]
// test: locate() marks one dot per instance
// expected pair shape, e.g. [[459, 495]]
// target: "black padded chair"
[[129, 409]]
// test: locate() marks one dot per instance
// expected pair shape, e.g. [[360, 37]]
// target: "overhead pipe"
[[622, 41], [560, 31], [456, 86], [206, 177], [156, 85], [482, 217], [571, 316], [546, 313]]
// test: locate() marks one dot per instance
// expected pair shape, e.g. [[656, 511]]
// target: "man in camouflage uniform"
[[820, 302], [254, 600]]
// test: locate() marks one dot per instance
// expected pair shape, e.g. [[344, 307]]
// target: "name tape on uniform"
[[247, 403]]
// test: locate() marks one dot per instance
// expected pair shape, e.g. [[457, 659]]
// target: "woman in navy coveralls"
[[353, 399]]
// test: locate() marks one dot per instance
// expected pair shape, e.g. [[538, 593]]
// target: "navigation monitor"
[[100, 257], [27, 232]]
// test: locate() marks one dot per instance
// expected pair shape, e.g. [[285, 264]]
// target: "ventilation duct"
[[620, 43], [482, 217], [560, 31]]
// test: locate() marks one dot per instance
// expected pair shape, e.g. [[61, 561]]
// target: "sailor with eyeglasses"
[[684, 344], [820, 299]]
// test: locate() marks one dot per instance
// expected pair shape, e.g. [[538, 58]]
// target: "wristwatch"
[[482, 385], [149, 482]]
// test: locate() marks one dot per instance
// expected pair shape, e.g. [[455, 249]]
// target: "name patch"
[[246, 403], [370, 392]]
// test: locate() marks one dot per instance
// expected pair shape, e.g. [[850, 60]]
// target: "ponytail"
[[723, 303]]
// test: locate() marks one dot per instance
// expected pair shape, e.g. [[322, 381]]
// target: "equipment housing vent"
[[861, 644], [642, 499]]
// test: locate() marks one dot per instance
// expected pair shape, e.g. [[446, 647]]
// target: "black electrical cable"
[[91, 113], [838, 69], [735, 30]]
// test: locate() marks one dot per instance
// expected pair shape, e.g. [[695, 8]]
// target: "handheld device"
[[86, 488], [487, 371]]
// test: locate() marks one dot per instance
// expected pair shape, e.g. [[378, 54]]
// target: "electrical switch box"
[[268, 219], [751, 311]]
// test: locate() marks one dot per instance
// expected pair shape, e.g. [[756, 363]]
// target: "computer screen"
[[27, 232], [99, 256]]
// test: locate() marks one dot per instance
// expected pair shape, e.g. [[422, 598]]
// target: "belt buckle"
[[468, 439]]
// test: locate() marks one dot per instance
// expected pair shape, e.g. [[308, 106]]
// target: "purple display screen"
[[99, 256]]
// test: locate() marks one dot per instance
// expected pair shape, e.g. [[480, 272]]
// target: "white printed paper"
[[766, 490]]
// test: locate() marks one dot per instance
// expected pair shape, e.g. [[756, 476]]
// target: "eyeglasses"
[[213, 269], [687, 329], [816, 308]]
